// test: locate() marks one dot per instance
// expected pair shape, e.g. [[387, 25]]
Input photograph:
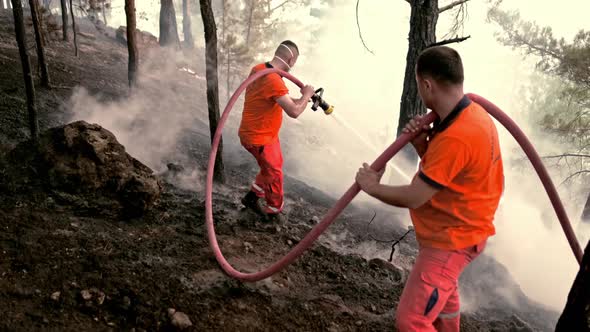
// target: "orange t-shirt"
[[262, 116], [464, 161]]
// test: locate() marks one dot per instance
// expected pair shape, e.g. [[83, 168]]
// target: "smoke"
[[160, 121], [366, 91], [156, 119]]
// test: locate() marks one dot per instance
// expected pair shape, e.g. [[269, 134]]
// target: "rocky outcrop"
[[85, 159]]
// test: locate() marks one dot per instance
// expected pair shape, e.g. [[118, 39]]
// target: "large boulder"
[[86, 159]]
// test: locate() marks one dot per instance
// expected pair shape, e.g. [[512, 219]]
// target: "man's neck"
[[278, 64], [445, 106]]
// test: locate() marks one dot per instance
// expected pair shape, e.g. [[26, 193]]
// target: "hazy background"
[[366, 91]]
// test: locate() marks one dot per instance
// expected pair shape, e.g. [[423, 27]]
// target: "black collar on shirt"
[[444, 124], [268, 65]]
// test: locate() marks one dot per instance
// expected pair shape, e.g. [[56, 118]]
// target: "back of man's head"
[[442, 64], [287, 50]]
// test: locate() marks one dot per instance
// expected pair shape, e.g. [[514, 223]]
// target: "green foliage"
[[559, 98]]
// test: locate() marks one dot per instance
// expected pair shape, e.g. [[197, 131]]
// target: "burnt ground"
[[66, 265]]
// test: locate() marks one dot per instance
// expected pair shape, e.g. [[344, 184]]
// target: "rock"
[[144, 39], [100, 298], [87, 162], [179, 319], [55, 296], [248, 246], [86, 295], [174, 168], [315, 220], [358, 323]]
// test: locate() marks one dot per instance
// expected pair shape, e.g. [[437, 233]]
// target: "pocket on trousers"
[[435, 285]]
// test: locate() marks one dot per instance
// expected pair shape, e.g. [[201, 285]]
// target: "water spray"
[[354, 189]]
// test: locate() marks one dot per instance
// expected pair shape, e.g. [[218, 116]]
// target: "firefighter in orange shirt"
[[266, 99]]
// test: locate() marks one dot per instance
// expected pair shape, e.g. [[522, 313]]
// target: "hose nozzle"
[[319, 101]]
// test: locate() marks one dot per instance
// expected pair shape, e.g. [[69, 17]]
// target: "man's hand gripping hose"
[[354, 189]]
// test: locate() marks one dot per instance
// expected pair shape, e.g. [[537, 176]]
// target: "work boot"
[[251, 201], [272, 214]]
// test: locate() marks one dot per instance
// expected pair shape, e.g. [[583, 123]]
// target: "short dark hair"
[[291, 44], [442, 63]]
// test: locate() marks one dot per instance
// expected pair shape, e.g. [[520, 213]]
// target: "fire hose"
[[349, 195]]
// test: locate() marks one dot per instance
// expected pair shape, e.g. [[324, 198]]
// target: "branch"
[[565, 155], [449, 41], [359, 27], [451, 5], [279, 6], [575, 174]]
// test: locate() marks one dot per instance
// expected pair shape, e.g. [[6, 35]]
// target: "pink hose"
[[349, 195]]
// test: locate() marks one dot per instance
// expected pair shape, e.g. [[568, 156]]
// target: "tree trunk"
[[104, 14], [586, 211], [19, 29], [131, 43], [249, 28], [168, 28], [74, 28], [228, 57], [576, 315], [64, 19], [423, 19], [189, 41], [39, 42], [212, 81]]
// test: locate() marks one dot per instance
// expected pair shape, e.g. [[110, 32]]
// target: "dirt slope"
[[67, 267]]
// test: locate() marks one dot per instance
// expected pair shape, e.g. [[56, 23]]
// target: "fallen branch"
[[449, 41]]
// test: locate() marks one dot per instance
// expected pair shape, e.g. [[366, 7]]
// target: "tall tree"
[[19, 29], [39, 42], [168, 25], [131, 43], [74, 28], [212, 81], [567, 110], [423, 19], [186, 24], [64, 19]]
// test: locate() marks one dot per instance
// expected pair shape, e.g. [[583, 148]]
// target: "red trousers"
[[269, 181], [430, 300]]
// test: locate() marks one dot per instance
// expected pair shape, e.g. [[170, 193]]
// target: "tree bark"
[[228, 57], [64, 19], [131, 43], [104, 14], [19, 29], [39, 42], [212, 81], [189, 41], [168, 27], [576, 315], [74, 28], [249, 28], [586, 211], [423, 19]]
